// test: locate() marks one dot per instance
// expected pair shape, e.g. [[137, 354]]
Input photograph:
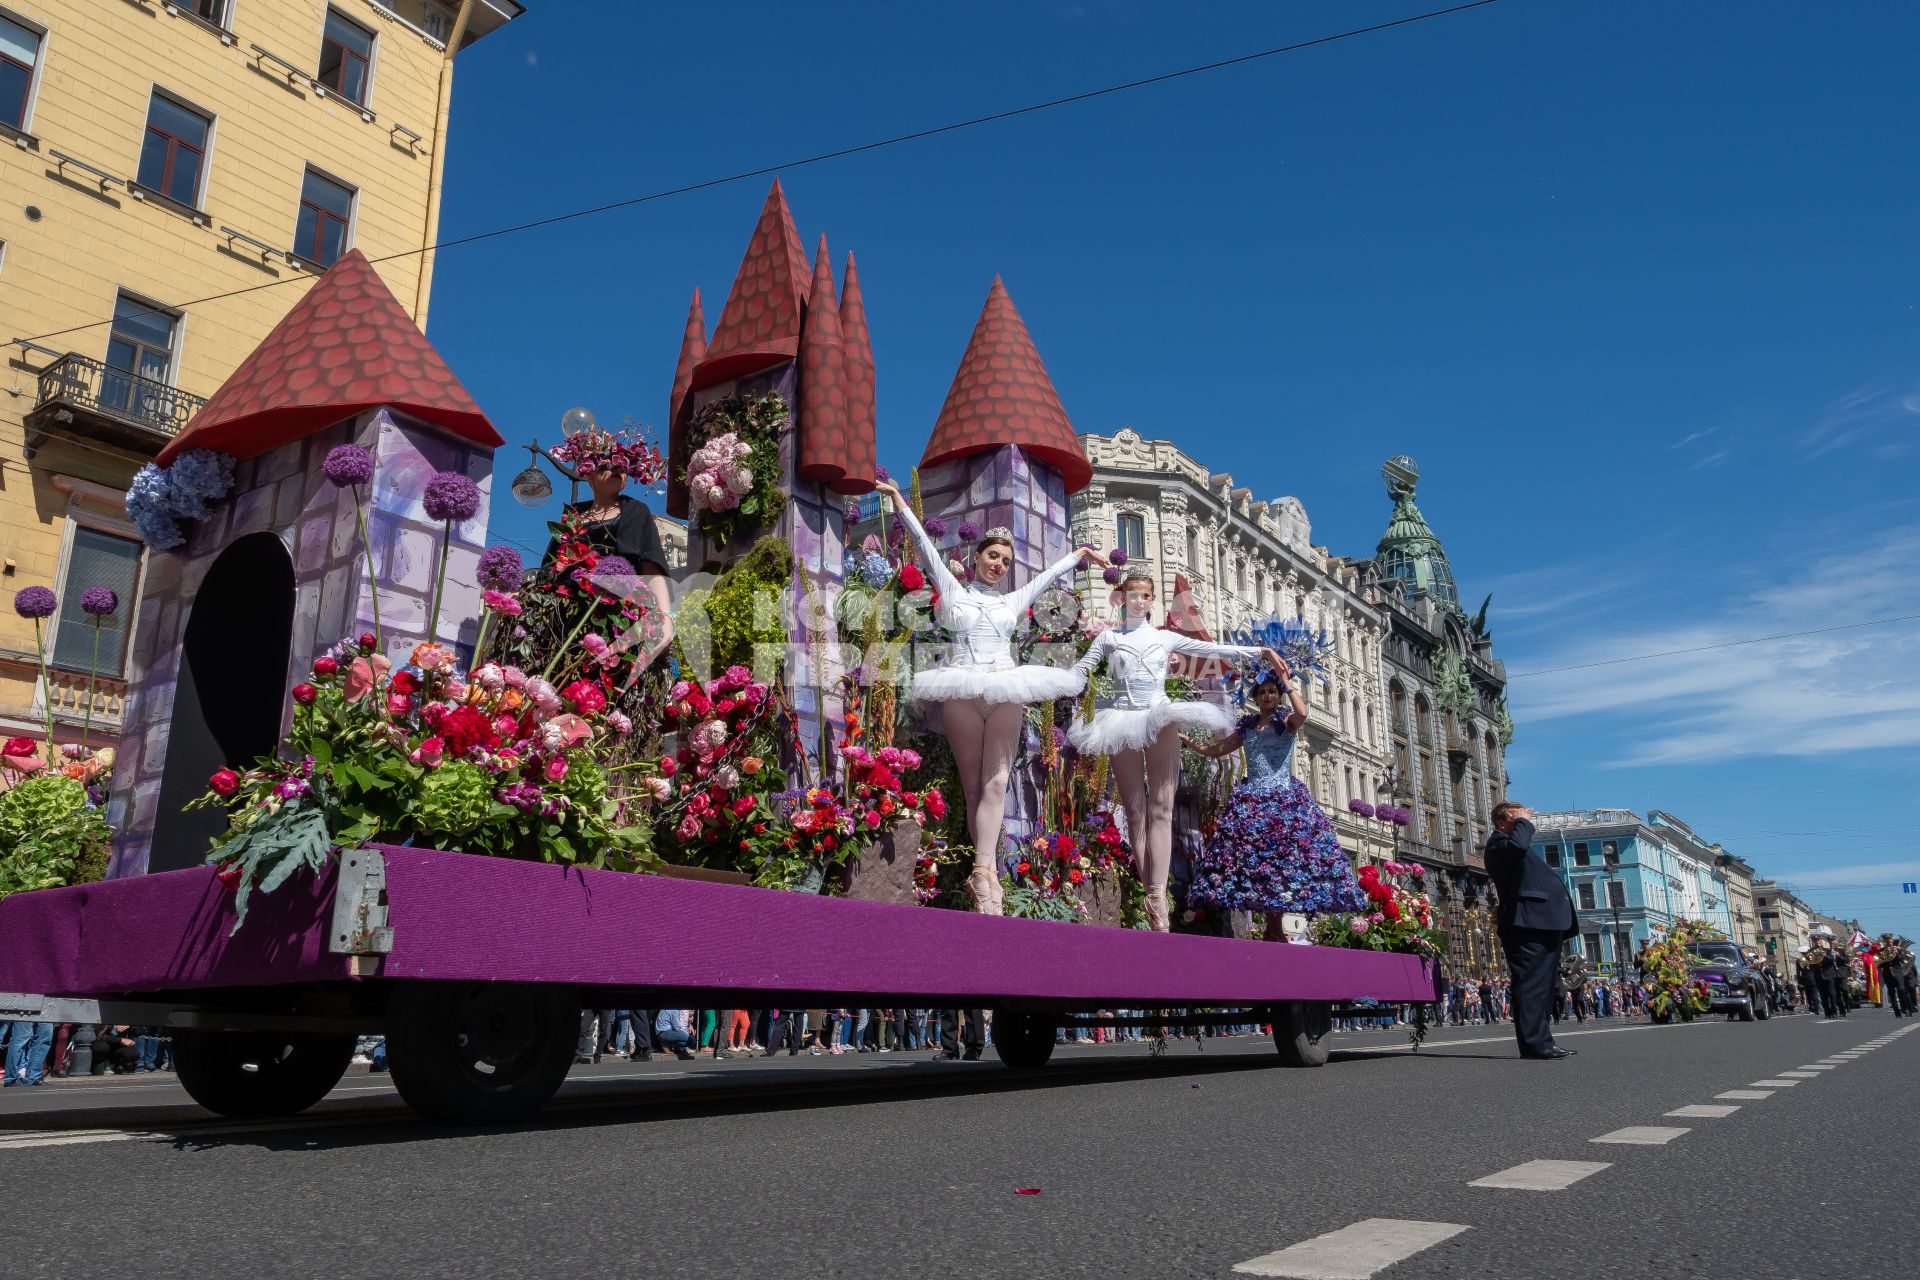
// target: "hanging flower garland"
[[733, 475]]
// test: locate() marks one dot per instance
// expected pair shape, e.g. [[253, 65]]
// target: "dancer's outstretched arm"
[[950, 587]]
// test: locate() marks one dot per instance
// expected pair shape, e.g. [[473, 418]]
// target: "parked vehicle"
[[1733, 985]]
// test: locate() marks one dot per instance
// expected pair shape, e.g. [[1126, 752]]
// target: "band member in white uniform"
[[1141, 727], [983, 691]]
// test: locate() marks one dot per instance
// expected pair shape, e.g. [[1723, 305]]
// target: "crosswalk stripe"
[[1642, 1135], [1816, 1066], [1801, 1075], [1775, 1084], [1542, 1175], [1749, 1095], [1356, 1252], [1705, 1110]]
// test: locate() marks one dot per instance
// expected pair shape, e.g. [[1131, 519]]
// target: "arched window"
[[1130, 535], [1193, 547], [1423, 719]]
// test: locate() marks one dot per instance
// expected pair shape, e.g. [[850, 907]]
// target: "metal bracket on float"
[[360, 928]]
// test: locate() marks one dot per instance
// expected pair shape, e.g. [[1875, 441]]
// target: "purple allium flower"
[[896, 534], [1118, 555], [451, 497], [936, 527], [615, 567], [348, 465], [501, 569], [853, 513], [1110, 576], [99, 601], [969, 531], [35, 602], [880, 473]]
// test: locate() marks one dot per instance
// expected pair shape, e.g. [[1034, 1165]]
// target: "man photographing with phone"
[[1535, 916]]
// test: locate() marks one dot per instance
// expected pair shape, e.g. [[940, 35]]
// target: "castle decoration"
[[277, 574]]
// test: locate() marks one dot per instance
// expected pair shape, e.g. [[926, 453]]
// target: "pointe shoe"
[[985, 887], [1157, 910]]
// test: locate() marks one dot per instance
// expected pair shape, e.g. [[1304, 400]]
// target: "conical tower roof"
[[1410, 551], [862, 419], [760, 325], [823, 380], [693, 349], [346, 347], [1002, 395]]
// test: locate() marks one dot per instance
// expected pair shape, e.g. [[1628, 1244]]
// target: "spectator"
[[671, 1028], [27, 1044], [116, 1049]]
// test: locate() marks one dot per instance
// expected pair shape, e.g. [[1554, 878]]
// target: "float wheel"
[[1302, 1032], [257, 1074], [1024, 1041], [480, 1052]]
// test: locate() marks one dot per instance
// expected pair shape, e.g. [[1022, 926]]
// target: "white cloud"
[[1844, 690], [1690, 437], [1867, 413]]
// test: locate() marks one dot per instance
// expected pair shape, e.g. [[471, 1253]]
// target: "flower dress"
[[981, 663], [1272, 848], [1140, 710]]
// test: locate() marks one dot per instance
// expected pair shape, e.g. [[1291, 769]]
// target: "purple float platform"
[[461, 918]]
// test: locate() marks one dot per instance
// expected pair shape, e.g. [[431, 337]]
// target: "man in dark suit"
[[1536, 915]]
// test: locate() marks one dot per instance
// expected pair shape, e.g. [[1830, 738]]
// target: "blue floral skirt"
[[1272, 849]]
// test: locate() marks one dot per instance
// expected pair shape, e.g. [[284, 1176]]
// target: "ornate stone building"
[[1446, 717], [1243, 560]]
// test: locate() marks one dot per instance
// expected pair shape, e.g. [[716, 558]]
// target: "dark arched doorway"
[[231, 692]]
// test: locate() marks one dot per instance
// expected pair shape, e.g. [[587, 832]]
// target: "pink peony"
[[1359, 925], [543, 696], [514, 676], [659, 788], [501, 603], [490, 678]]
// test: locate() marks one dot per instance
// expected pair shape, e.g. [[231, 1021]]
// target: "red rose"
[[911, 578], [325, 666], [21, 747], [229, 877], [936, 804], [1024, 867], [742, 806], [586, 698], [667, 767], [304, 694], [367, 640], [1076, 875], [405, 682], [873, 819], [224, 781], [1063, 846]]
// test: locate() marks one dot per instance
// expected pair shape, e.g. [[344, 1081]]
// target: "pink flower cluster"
[[718, 474]]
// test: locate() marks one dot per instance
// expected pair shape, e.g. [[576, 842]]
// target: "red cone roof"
[[347, 346], [1183, 616], [862, 454], [760, 324], [1002, 395], [823, 380], [693, 349]]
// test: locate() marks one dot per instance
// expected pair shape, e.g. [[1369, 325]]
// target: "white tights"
[[1147, 780]]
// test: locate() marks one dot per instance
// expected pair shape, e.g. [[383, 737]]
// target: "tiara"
[[999, 533]]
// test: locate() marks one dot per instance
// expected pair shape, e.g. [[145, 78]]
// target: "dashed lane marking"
[[1801, 1075], [1746, 1095], [1357, 1252], [1816, 1066], [1642, 1135], [1542, 1175], [1705, 1111], [1775, 1084]]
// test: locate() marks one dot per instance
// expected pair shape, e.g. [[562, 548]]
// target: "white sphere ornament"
[[577, 420]]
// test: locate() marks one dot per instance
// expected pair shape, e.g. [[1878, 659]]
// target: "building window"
[[1591, 942], [1552, 853], [1582, 856], [1130, 535], [214, 11], [140, 347], [326, 213], [1616, 894], [97, 559], [346, 58], [1586, 894], [19, 57], [438, 23], [1193, 548], [173, 159]]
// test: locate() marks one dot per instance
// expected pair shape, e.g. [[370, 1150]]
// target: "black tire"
[[252, 1075], [1024, 1041], [1762, 1006], [480, 1052], [1745, 1012], [1303, 1033]]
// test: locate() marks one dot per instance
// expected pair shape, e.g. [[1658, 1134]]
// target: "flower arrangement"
[[53, 828], [826, 826], [491, 761], [733, 473], [1052, 874], [1306, 648], [626, 453], [724, 771], [1666, 972], [1400, 917], [159, 498]]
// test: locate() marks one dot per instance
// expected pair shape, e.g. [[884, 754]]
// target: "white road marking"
[[1746, 1095], [1357, 1252], [1705, 1111], [1775, 1084], [1542, 1175], [1816, 1066], [1801, 1075], [1642, 1135]]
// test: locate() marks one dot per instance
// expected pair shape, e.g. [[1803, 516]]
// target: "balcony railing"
[[76, 387], [70, 699]]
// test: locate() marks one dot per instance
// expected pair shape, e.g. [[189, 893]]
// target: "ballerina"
[[982, 690], [1272, 848], [1140, 728]]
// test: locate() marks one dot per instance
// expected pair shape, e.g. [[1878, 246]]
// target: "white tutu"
[[996, 684], [1116, 729]]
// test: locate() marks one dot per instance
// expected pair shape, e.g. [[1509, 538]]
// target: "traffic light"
[[1773, 945]]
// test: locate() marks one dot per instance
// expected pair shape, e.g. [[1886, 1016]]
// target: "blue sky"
[[1635, 283]]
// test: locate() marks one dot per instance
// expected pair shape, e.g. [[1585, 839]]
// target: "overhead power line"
[[1706, 648], [841, 153]]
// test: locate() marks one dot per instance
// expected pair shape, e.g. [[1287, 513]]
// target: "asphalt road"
[[1191, 1164]]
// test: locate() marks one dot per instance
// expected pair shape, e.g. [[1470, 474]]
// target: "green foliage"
[[276, 843], [454, 799], [70, 847], [36, 803], [738, 618]]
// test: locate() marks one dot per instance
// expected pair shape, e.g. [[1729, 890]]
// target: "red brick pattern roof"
[[760, 325], [823, 381], [1002, 395], [347, 346], [693, 349], [862, 454]]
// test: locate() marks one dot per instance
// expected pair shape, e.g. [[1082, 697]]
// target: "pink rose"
[[689, 828], [399, 704], [501, 603], [659, 788], [490, 678], [514, 676], [430, 753]]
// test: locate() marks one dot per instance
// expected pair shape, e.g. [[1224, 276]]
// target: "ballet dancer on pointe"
[[983, 692], [1141, 728]]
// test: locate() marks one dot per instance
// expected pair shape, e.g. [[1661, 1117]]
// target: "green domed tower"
[[1409, 550]]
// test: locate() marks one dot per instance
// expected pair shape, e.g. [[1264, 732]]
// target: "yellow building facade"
[[174, 174]]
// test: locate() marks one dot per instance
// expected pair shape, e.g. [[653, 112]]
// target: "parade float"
[[361, 788]]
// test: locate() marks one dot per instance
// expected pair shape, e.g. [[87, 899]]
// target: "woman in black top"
[[615, 524]]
